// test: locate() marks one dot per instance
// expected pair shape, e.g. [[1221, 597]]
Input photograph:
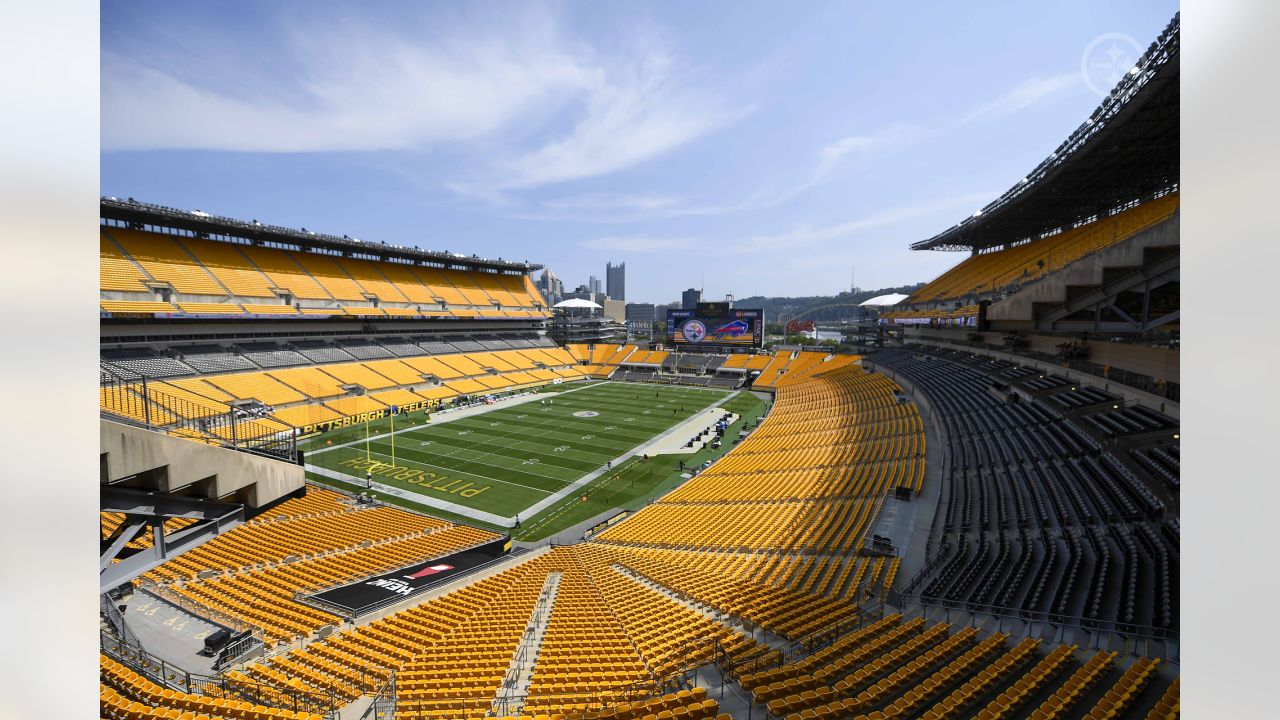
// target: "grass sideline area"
[[638, 483], [507, 459]]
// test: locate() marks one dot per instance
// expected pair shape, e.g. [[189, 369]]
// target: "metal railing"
[[391, 704], [383, 704], [1133, 632], [116, 619], [204, 612], [141, 401], [168, 675]]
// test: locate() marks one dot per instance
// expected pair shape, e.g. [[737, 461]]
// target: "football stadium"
[[347, 480]]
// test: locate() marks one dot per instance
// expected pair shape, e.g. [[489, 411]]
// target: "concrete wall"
[[615, 309], [162, 335], [1086, 271], [173, 463]]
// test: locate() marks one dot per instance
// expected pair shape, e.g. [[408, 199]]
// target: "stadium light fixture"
[[1176, 436]]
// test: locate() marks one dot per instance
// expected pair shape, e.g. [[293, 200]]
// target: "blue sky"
[[772, 148]]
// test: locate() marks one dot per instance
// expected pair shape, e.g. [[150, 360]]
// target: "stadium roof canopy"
[[132, 213], [1126, 151], [577, 303], [884, 300]]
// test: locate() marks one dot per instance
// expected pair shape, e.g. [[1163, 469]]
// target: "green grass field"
[[506, 460]]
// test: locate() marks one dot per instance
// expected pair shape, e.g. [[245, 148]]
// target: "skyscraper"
[[593, 284], [550, 286], [690, 298], [615, 277]]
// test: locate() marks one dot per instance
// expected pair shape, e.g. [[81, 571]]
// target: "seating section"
[[252, 572], [627, 362], [294, 396], [608, 638], [126, 695], [110, 521], [131, 364], [959, 317], [1030, 261], [1040, 519], [761, 550], [810, 478], [213, 277], [166, 260]]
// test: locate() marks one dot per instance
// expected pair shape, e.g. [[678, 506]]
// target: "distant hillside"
[[791, 306]]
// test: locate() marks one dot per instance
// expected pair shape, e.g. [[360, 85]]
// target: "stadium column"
[[393, 437], [367, 456]]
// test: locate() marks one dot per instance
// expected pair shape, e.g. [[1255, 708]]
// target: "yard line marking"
[[504, 468], [486, 478]]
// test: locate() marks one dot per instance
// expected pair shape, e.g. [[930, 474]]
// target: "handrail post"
[[146, 403]]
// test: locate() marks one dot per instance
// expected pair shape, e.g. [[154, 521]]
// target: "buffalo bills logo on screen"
[[737, 328], [693, 331]]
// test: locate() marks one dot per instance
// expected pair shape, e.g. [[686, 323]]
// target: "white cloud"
[[833, 155], [805, 235], [543, 107], [844, 146], [635, 110], [359, 94], [1024, 95], [634, 208], [612, 202], [639, 243]]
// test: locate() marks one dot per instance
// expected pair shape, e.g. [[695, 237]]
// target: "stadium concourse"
[[955, 524]]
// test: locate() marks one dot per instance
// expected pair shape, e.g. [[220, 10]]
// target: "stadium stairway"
[[520, 673]]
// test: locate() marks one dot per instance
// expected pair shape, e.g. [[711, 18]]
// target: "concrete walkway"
[[169, 632], [918, 521], [673, 442]]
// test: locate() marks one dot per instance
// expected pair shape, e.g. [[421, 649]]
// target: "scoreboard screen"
[[726, 328]]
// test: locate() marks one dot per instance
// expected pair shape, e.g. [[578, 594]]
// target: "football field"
[[515, 460]]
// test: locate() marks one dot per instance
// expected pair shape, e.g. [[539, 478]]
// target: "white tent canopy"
[[884, 300], [577, 303]]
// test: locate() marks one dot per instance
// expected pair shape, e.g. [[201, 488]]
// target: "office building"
[[616, 281]]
